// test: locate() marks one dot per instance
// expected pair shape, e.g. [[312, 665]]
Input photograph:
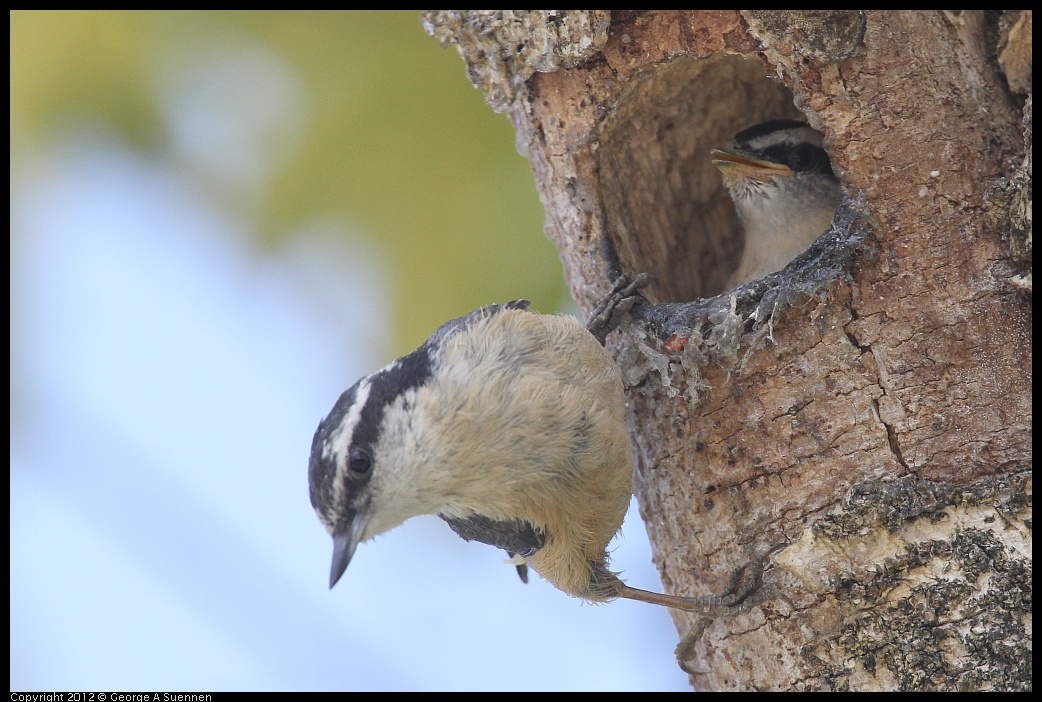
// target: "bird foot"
[[613, 307], [745, 590]]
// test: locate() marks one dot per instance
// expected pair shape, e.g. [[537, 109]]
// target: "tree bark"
[[870, 406]]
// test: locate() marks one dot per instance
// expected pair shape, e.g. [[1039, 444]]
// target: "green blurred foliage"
[[395, 141]]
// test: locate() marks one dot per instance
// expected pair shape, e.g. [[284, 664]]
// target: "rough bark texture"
[[871, 404]]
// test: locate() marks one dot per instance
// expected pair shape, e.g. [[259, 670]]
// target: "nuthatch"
[[507, 424], [783, 188]]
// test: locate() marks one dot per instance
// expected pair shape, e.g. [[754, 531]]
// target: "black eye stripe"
[[385, 386], [799, 157]]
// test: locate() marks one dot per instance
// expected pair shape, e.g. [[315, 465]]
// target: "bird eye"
[[802, 157], [360, 462], [806, 157]]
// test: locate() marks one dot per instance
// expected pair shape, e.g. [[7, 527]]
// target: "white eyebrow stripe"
[[788, 137], [336, 447]]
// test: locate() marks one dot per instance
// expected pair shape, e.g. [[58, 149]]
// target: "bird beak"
[[734, 165], [345, 538]]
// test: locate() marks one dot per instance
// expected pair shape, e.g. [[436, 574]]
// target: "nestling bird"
[[784, 190], [507, 424]]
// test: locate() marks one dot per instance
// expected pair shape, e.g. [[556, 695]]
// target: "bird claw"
[[616, 304], [745, 590]]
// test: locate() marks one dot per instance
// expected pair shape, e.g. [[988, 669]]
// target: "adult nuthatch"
[[507, 424], [783, 188]]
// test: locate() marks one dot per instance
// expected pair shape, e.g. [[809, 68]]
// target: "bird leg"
[[613, 307], [745, 590]]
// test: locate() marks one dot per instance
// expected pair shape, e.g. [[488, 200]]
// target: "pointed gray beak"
[[345, 539]]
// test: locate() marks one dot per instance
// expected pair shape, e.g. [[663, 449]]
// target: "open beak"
[[345, 538], [734, 165]]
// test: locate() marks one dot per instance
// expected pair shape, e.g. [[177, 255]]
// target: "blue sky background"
[[167, 374]]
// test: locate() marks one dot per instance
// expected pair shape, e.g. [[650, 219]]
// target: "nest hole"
[[667, 211]]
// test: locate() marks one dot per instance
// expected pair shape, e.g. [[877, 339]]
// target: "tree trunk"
[[870, 406]]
